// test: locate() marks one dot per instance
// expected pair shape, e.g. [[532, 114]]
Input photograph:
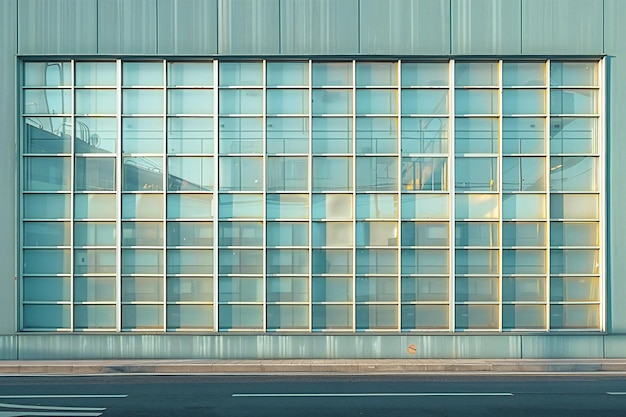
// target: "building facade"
[[293, 179]]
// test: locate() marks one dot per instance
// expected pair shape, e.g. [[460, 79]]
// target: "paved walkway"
[[312, 366]]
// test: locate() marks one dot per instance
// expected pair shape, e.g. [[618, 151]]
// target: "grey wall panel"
[[405, 27], [562, 346], [8, 167], [615, 346], [486, 27], [57, 27], [187, 27], [8, 347], [319, 27], [559, 27], [248, 27], [127, 27], [615, 48]]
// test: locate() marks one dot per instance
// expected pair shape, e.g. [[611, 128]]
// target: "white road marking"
[[48, 407], [616, 393], [384, 394], [12, 397], [46, 414]]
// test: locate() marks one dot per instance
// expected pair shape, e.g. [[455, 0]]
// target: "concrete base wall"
[[247, 346]]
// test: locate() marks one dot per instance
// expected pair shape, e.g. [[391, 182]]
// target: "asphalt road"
[[327, 396]]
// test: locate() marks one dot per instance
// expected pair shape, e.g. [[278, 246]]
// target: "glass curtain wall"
[[311, 196]]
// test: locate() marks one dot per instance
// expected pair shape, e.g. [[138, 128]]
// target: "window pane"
[[574, 234], [189, 135], [376, 173], [425, 289], [376, 317], [332, 261], [425, 234], [476, 73], [523, 261], [425, 261], [287, 234], [332, 135], [425, 206], [476, 174], [287, 206], [287, 135], [332, 102], [476, 234], [573, 173], [50, 289], [142, 206], [46, 317], [46, 234], [333, 234], [190, 206], [287, 261], [241, 135], [142, 261], [142, 102], [476, 289], [234, 317], [425, 102], [189, 261], [574, 289], [94, 289], [473, 135], [47, 174], [94, 261], [94, 174], [287, 74], [94, 317], [376, 102], [287, 102], [424, 74], [287, 173], [523, 135], [48, 135], [96, 102], [425, 317], [190, 289], [424, 174], [287, 317], [332, 74], [476, 261], [477, 206], [142, 74], [47, 101], [332, 206], [523, 74], [95, 135], [240, 234], [240, 261], [574, 206], [376, 289], [190, 317], [149, 317], [46, 261], [575, 316], [241, 73], [523, 174], [376, 74], [424, 135], [239, 173], [332, 317], [524, 206], [190, 101], [523, 101], [523, 234], [376, 234], [376, 206], [573, 101], [241, 101], [524, 289], [376, 135], [47, 206], [240, 289], [332, 289], [190, 74], [332, 174], [94, 206], [574, 261], [476, 102], [376, 261], [243, 206], [190, 173], [142, 135], [573, 73], [523, 317], [51, 74], [189, 234], [477, 317], [570, 135], [94, 234], [142, 234], [287, 289]]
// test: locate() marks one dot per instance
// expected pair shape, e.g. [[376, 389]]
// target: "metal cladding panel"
[[248, 27], [320, 27], [48, 27], [187, 27], [486, 27], [562, 346], [615, 346], [615, 49], [405, 27], [8, 344], [127, 27], [8, 168], [562, 27]]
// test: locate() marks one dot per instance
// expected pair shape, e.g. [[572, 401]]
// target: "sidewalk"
[[312, 366]]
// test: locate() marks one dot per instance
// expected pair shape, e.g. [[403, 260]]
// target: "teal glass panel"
[[332, 173], [94, 234], [573, 101], [287, 206], [190, 261], [287, 261], [574, 206], [142, 289], [425, 206], [574, 261], [240, 234], [372, 317], [570, 135], [95, 135], [332, 234], [523, 135], [331, 317], [523, 234], [376, 261], [92, 74], [241, 135], [477, 206], [332, 135], [425, 234], [376, 289], [94, 174], [41, 316], [142, 135], [94, 317], [188, 317], [287, 317], [479, 74], [142, 102], [240, 173], [142, 317], [240, 289], [287, 289], [423, 101], [333, 101], [46, 289], [47, 135], [46, 261], [575, 316], [376, 173], [50, 74], [332, 206], [376, 233], [476, 234], [142, 261], [189, 233], [523, 316], [47, 101], [96, 102], [425, 261], [190, 101], [242, 206], [332, 261], [190, 135], [248, 101], [190, 206], [240, 261], [574, 173], [574, 234], [94, 289], [190, 289], [523, 74], [424, 174], [579, 74], [518, 288], [142, 74], [241, 74], [376, 135], [376, 101], [574, 289], [327, 74], [476, 135], [524, 206], [424, 316], [94, 261], [476, 174], [476, 261], [46, 234], [523, 101], [287, 234], [142, 234], [287, 135], [190, 174], [244, 317], [190, 74], [332, 289], [376, 206], [523, 261], [476, 316], [46, 206], [142, 173], [50, 173], [94, 206], [424, 135], [287, 173], [431, 74], [523, 174], [283, 74], [468, 102], [425, 289], [370, 74], [292, 101]]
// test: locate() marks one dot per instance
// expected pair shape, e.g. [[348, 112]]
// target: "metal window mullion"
[[118, 203], [601, 133], [499, 184], [72, 176], [310, 195], [548, 222], [399, 196], [452, 200], [264, 198], [19, 230], [354, 163], [215, 195], [164, 199]]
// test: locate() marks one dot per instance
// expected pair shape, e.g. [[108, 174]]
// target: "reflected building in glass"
[[395, 195]]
